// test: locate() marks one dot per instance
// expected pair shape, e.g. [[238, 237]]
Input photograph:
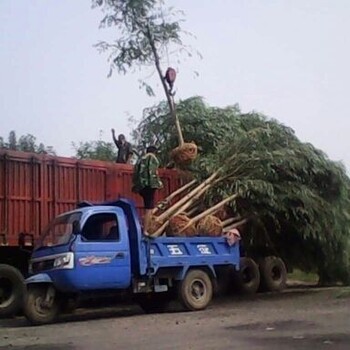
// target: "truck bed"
[[190, 251], [151, 254]]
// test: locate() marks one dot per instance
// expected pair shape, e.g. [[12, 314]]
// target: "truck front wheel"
[[42, 304], [12, 291], [195, 290]]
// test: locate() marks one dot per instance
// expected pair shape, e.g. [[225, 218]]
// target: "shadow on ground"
[[109, 310]]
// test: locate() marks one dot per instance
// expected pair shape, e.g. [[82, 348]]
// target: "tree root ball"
[[210, 226], [179, 226], [185, 154], [224, 213], [154, 225]]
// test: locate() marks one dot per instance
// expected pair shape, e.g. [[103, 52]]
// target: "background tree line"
[[25, 143]]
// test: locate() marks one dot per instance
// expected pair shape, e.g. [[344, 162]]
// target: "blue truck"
[[99, 250]]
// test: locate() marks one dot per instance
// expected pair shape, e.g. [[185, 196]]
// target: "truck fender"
[[208, 268], [39, 278]]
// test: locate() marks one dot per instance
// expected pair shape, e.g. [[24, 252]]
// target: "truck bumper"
[[39, 278]]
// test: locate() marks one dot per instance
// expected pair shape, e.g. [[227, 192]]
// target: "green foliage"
[[296, 198], [12, 140], [343, 293], [298, 275], [204, 125], [98, 150], [26, 143]]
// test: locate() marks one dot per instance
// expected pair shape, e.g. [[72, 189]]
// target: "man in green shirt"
[[146, 181]]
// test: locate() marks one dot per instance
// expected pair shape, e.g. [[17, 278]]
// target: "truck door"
[[102, 253]]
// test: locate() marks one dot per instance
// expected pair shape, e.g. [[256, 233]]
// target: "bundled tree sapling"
[[291, 199]]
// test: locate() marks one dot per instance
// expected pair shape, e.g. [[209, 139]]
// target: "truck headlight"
[[65, 261]]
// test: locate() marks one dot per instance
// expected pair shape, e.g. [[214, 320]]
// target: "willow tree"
[[296, 199]]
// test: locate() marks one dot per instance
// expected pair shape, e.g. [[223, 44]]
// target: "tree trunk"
[[169, 97], [169, 212]]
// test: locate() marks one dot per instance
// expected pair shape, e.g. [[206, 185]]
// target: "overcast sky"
[[289, 59]]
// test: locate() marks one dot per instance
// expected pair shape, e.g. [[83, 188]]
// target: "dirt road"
[[297, 319]]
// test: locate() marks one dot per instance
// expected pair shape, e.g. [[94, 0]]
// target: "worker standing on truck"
[[124, 148], [146, 181]]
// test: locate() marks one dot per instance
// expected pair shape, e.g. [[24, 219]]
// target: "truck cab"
[[101, 249], [81, 249]]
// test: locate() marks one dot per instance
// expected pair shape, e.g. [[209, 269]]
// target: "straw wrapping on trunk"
[[210, 226], [184, 154], [154, 225], [180, 226]]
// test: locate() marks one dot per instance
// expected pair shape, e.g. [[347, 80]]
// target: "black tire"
[[153, 302], [36, 309], [195, 291], [247, 279], [12, 291], [273, 274]]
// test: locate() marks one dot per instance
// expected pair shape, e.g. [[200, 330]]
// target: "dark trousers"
[[148, 195]]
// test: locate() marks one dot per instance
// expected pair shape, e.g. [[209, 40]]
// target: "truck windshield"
[[60, 230]]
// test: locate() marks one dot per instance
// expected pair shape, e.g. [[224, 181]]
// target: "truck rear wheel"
[[195, 290], [247, 279], [273, 274], [12, 291], [42, 304]]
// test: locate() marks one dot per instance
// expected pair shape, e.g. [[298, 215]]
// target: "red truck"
[[34, 189]]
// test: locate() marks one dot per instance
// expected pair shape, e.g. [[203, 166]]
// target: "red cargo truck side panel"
[[34, 188]]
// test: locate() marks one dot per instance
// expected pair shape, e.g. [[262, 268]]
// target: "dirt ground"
[[300, 318]]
